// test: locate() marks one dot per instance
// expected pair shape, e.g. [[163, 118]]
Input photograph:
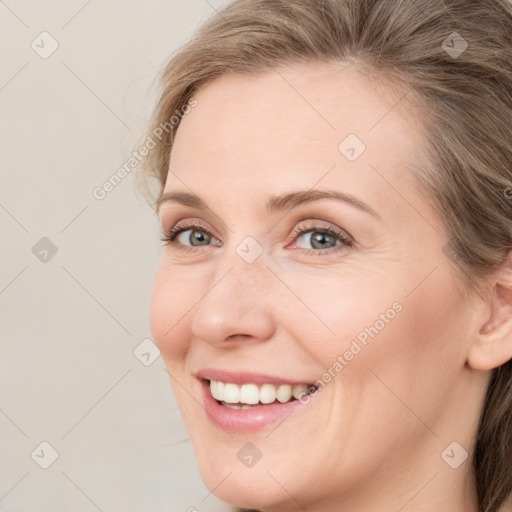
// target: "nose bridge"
[[236, 302], [238, 264], [242, 268]]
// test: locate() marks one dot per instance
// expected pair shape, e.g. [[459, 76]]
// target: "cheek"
[[171, 299], [340, 312], [416, 358], [412, 340]]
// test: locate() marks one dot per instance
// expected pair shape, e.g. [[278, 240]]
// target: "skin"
[[372, 439]]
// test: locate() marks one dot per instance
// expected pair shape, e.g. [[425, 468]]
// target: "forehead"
[[295, 124]]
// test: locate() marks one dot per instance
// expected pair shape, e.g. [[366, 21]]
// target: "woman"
[[334, 298]]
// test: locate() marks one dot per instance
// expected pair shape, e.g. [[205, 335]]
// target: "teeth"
[[238, 406], [268, 394], [300, 390], [284, 393], [251, 394], [231, 393]]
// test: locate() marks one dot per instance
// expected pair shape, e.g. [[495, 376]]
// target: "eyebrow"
[[280, 202]]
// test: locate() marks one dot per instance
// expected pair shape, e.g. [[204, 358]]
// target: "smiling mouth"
[[249, 396]]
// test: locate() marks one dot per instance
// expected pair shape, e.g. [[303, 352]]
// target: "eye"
[[195, 234], [322, 239]]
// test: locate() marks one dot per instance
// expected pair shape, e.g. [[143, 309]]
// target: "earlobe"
[[492, 346]]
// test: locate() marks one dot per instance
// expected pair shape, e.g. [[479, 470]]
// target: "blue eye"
[[198, 237], [322, 239]]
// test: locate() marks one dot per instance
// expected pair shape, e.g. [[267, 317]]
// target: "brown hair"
[[464, 94]]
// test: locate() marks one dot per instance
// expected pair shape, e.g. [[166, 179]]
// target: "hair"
[[465, 101]]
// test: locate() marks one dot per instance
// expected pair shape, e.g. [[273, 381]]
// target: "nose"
[[236, 306]]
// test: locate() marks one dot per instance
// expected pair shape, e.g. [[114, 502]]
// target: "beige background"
[[70, 321]]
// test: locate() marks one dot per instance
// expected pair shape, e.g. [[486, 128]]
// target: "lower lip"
[[245, 420]]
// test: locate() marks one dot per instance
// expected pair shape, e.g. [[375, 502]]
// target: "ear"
[[492, 346]]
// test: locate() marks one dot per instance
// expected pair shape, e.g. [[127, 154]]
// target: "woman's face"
[[371, 308]]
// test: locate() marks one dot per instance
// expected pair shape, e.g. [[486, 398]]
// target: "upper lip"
[[242, 377]]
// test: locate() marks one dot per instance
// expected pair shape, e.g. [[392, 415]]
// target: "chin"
[[244, 488]]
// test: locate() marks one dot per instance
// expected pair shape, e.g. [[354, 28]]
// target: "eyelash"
[[326, 230], [170, 237]]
